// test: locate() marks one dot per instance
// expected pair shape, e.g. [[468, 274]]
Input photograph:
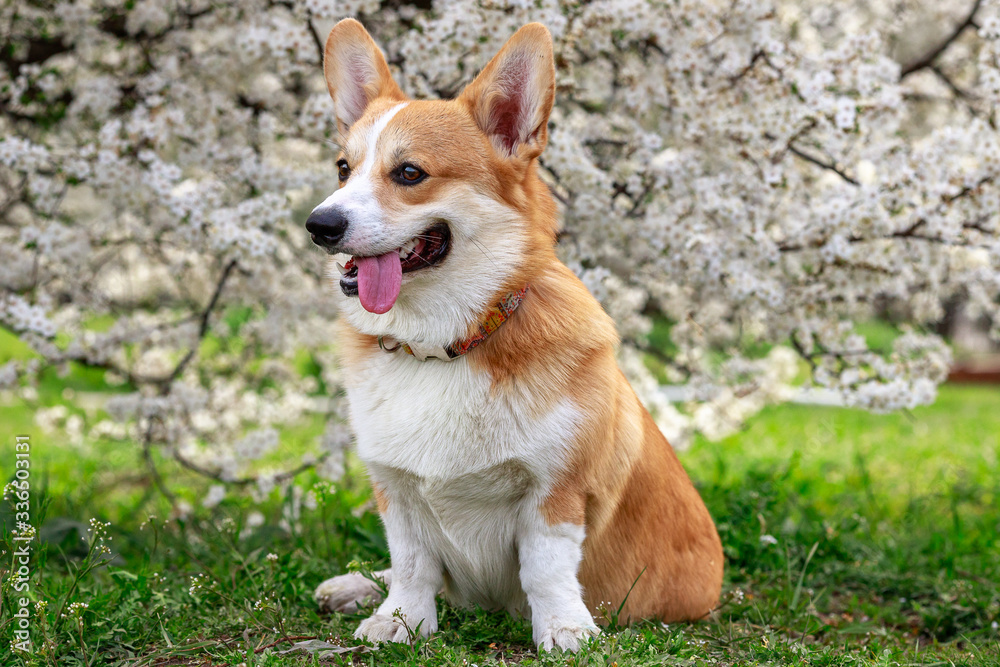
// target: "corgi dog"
[[512, 464]]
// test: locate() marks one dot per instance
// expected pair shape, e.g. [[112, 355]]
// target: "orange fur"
[[381, 500], [641, 512]]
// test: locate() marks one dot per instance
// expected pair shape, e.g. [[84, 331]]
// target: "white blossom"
[[755, 174], [216, 494]]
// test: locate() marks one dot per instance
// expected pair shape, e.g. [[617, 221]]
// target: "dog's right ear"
[[356, 72], [512, 97]]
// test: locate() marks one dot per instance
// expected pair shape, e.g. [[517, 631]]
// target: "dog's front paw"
[[346, 593], [380, 628], [383, 628], [558, 633]]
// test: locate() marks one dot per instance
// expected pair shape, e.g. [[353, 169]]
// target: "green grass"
[[886, 530]]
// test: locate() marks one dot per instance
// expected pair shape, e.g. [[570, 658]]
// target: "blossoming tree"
[[752, 174]]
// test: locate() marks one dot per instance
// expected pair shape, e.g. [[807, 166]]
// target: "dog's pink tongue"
[[379, 279]]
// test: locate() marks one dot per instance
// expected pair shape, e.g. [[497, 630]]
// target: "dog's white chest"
[[468, 464], [440, 420]]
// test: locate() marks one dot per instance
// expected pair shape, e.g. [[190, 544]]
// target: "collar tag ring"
[[381, 344]]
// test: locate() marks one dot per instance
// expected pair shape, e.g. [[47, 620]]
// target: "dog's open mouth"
[[376, 280]]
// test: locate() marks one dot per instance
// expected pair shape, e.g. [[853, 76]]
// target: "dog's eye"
[[407, 174], [343, 170]]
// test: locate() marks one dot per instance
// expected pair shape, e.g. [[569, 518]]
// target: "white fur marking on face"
[[374, 132], [357, 201], [436, 307]]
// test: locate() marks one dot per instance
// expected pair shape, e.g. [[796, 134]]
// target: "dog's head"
[[440, 210]]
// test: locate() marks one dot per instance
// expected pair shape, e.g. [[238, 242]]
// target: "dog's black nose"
[[327, 227]]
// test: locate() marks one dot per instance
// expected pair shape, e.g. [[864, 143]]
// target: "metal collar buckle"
[[494, 317], [381, 345], [417, 353]]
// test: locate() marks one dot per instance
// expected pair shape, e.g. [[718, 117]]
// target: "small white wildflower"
[[768, 539], [76, 609], [197, 583], [24, 530]]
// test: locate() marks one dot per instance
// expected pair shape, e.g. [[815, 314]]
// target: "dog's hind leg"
[[348, 592]]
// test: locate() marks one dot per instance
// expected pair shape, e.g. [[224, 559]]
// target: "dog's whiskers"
[[488, 254], [417, 255]]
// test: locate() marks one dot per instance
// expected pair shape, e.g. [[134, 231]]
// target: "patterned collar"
[[495, 316]]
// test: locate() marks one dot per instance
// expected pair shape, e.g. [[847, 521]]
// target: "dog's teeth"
[[341, 268], [405, 249]]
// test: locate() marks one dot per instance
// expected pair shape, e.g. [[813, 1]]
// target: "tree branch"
[[320, 51], [959, 93], [203, 327], [829, 166], [757, 55], [802, 352], [802, 155], [244, 481], [147, 456], [928, 58]]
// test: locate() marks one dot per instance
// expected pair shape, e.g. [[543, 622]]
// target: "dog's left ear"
[[356, 72], [512, 97]]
